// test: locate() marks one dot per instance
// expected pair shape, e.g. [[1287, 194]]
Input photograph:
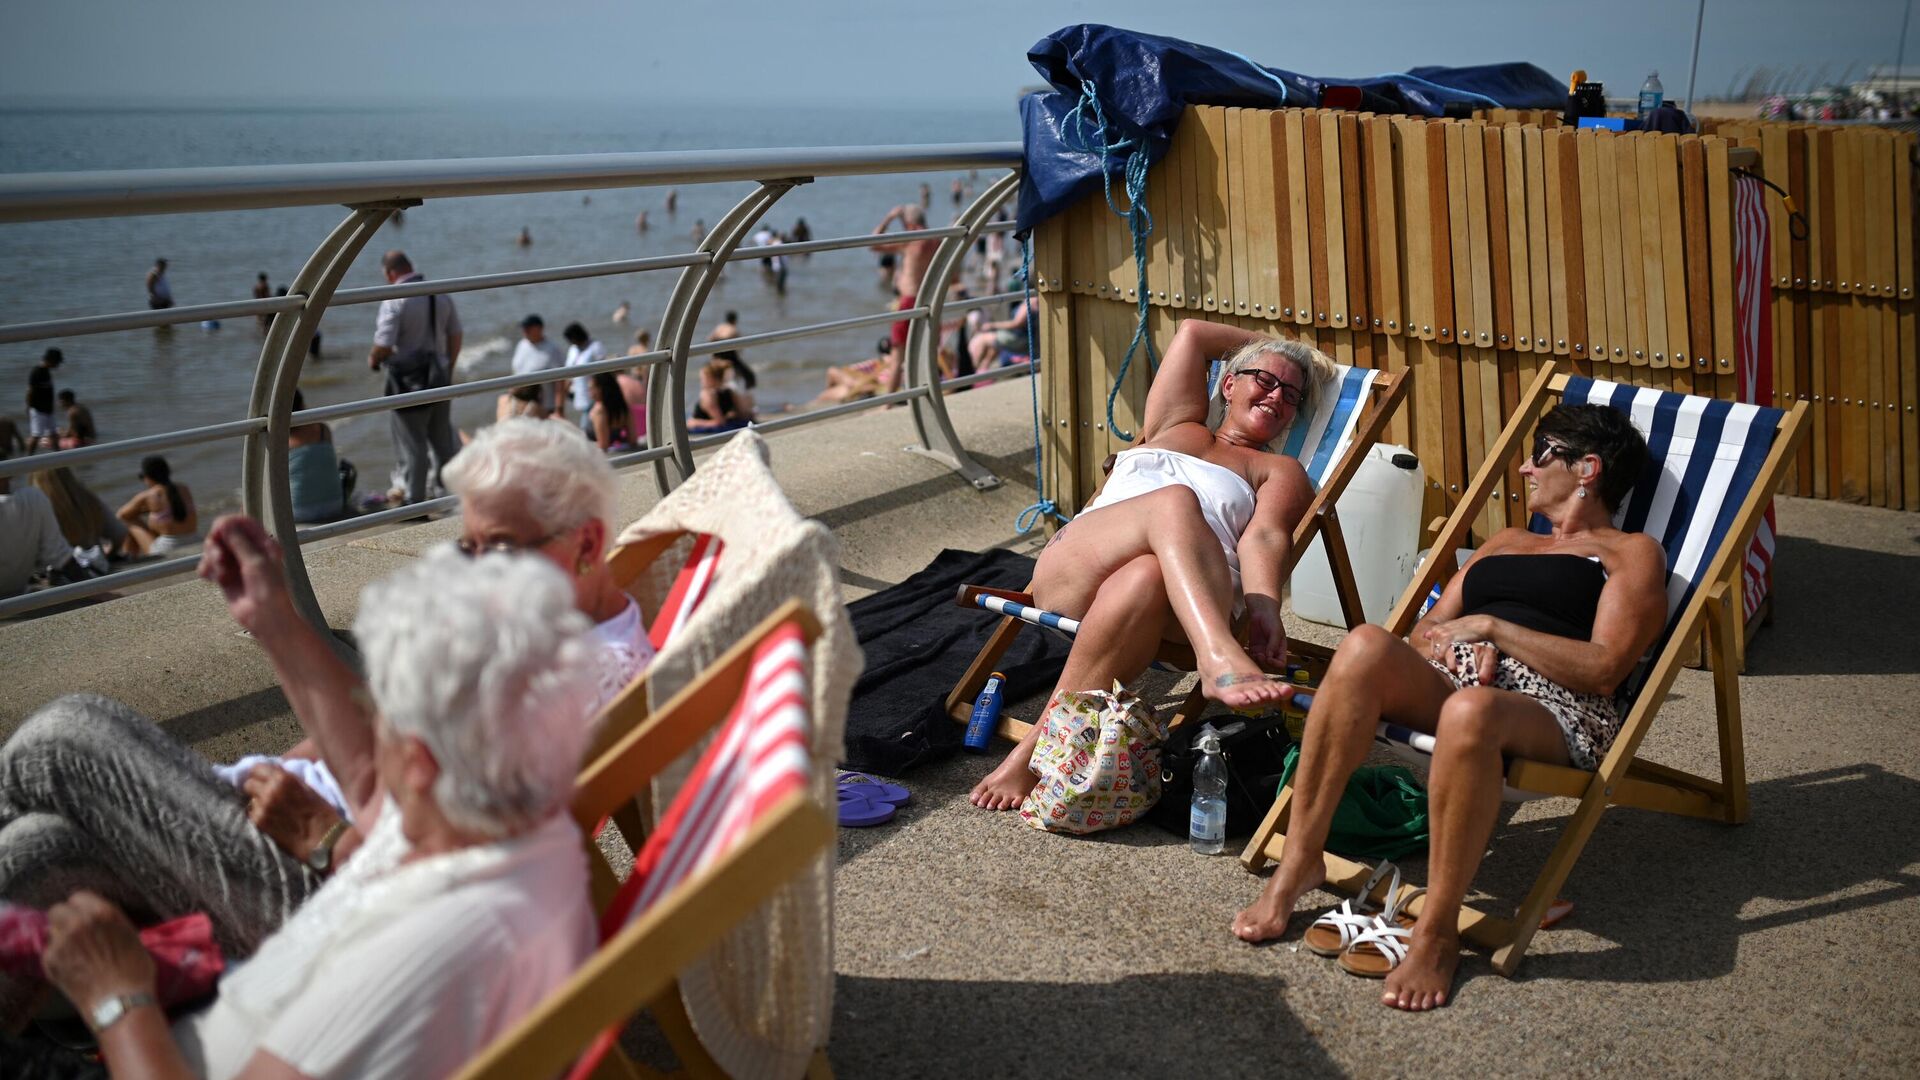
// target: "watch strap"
[[321, 857], [112, 1010]]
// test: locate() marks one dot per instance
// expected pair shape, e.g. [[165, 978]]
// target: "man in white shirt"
[[536, 353], [582, 349], [30, 538]]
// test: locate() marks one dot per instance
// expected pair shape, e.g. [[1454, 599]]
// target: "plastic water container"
[[1380, 517]]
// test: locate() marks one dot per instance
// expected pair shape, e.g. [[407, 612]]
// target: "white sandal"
[[1378, 950], [1333, 933]]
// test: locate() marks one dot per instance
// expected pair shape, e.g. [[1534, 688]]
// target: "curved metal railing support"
[[667, 397], [266, 490], [937, 437]]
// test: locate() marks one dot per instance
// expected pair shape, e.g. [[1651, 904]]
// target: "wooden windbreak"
[[1843, 304], [1468, 252]]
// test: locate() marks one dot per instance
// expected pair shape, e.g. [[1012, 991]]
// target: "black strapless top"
[[1554, 594]]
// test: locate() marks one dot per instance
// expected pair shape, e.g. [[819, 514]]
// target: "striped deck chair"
[[691, 584], [1347, 421], [742, 825], [1713, 469]]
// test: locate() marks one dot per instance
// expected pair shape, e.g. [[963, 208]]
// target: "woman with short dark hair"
[[1520, 657]]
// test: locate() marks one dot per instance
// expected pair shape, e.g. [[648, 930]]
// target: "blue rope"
[[1139, 222], [1042, 506], [1277, 80]]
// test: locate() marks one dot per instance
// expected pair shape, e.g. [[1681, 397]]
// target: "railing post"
[[667, 398], [266, 490], [938, 440]]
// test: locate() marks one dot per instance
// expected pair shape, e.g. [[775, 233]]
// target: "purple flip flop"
[[873, 789], [857, 812]]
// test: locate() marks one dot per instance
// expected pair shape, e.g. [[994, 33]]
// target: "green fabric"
[[1382, 814]]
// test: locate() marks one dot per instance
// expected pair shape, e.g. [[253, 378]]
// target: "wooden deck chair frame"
[[1388, 390], [637, 967], [1622, 777]]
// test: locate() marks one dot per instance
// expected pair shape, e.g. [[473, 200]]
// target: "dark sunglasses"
[[1268, 382], [1545, 450]]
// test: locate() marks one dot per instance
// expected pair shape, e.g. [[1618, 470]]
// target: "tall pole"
[[1693, 70], [1900, 55]]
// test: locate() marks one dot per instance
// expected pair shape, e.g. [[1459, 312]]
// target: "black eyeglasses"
[[1268, 382], [474, 548], [1545, 450]]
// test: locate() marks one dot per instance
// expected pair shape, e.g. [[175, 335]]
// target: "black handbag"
[[1255, 750], [420, 369]]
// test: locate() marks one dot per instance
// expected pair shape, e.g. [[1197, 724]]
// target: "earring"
[[580, 566], [1583, 491]]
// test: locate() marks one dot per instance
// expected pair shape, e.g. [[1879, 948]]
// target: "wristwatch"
[[109, 1012], [321, 857]]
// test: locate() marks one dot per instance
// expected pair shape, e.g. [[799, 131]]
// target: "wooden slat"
[[1192, 139], [1903, 172], [1717, 183], [1775, 165], [1519, 236], [1634, 276], [1608, 178], [1423, 359], [1159, 257], [1257, 130], [1592, 243], [1335, 214], [1556, 196], [1400, 430], [1416, 231], [1458, 202], [1317, 219], [1217, 278], [1827, 231], [1241, 266], [1355, 306], [1296, 142], [1499, 243], [1909, 404], [1652, 268], [1574, 250], [1479, 237], [1846, 179], [1382, 176], [1440, 227], [1673, 255]]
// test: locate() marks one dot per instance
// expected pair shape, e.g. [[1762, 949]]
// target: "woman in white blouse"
[[466, 904]]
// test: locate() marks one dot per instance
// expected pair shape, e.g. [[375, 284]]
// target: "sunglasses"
[[1268, 382], [473, 549], [1545, 450]]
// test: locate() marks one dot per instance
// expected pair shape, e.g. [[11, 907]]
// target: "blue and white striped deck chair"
[[1349, 417], [1713, 467]]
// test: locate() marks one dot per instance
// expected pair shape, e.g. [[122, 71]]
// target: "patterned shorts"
[[1588, 721]]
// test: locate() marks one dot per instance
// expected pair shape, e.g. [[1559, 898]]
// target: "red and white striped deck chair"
[[690, 586], [741, 826]]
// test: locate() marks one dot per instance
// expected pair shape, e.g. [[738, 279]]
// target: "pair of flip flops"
[[868, 800]]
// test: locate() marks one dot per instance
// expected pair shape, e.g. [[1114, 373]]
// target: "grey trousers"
[[95, 796], [419, 433]]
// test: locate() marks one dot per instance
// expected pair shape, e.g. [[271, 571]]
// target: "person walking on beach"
[[159, 293], [582, 349], [417, 339], [40, 426]]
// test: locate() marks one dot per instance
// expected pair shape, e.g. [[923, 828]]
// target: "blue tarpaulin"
[[1142, 82]]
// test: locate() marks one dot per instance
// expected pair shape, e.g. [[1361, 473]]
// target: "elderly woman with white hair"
[[1192, 524], [94, 795], [468, 902]]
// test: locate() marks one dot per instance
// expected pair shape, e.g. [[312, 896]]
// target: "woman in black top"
[[1519, 657]]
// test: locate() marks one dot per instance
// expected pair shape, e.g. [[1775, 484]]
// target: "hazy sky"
[[961, 52]]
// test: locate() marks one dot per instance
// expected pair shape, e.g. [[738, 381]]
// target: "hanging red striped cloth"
[[1753, 355]]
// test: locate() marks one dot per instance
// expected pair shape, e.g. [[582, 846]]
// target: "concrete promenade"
[[970, 945]]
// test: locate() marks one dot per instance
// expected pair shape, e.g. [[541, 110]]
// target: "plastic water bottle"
[[1207, 820], [986, 715], [1651, 94]]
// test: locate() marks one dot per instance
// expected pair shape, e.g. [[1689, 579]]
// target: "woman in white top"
[[468, 902], [1194, 523]]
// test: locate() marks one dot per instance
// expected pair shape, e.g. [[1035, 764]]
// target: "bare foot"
[[1266, 918], [1425, 978], [1238, 683], [1006, 786]]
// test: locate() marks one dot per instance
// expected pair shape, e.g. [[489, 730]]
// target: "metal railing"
[[374, 191]]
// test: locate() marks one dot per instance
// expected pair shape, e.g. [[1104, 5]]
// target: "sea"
[[153, 380]]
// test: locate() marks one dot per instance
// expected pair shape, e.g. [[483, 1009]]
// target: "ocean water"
[[147, 381]]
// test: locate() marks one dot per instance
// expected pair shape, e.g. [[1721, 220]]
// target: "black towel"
[[918, 643]]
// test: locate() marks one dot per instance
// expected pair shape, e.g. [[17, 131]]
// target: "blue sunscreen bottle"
[[986, 715]]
